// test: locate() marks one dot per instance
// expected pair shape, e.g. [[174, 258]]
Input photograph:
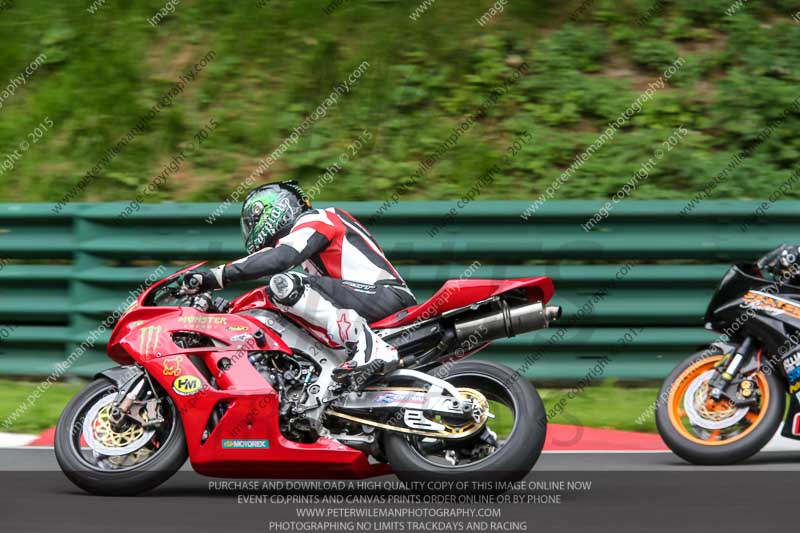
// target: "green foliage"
[[276, 64], [654, 54]]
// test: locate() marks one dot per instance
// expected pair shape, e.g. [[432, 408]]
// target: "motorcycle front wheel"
[[708, 432], [110, 461], [505, 451]]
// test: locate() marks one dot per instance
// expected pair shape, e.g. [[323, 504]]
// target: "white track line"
[[605, 451], [15, 440]]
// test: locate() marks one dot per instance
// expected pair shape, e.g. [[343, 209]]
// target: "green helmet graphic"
[[269, 212]]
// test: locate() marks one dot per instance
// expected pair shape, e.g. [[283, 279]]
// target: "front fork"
[[133, 383], [724, 383]]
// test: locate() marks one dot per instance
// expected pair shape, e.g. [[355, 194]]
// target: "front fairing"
[[136, 314], [145, 330], [149, 333], [736, 282], [749, 305]]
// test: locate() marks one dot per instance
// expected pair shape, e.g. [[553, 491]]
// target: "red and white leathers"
[[348, 282]]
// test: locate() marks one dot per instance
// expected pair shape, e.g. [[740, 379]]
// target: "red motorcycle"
[[245, 391]]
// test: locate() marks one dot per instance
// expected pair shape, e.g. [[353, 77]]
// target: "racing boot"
[[370, 357]]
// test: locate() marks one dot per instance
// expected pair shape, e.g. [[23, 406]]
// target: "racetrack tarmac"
[[619, 492]]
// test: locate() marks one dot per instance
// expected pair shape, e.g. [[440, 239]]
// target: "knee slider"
[[286, 289]]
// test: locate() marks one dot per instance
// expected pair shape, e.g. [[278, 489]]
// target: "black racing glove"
[[782, 262], [197, 282], [789, 256]]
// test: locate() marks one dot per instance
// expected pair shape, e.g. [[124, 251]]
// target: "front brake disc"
[[101, 437], [699, 415]]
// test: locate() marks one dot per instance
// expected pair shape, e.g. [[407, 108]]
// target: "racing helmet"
[[269, 212]]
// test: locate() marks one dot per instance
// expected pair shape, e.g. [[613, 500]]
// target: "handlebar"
[[203, 301], [780, 261]]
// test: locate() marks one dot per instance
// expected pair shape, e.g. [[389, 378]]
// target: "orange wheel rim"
[[677, 412]]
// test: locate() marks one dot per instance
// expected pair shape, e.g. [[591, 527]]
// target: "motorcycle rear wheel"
[[513, 458], [731, 435], [157, 457]]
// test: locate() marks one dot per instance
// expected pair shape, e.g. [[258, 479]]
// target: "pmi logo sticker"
[[187, 385], [245, 444]]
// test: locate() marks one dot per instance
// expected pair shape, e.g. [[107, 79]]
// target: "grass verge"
[[41, 414], [604, 406]]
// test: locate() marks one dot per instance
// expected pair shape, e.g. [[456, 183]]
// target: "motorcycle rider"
[[348, 281]]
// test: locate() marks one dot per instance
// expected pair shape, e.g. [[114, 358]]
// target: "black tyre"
[[515, 452], [705, 432], [158, 452]]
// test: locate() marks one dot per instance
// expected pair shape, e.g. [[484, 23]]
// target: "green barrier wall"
[[63, 273]]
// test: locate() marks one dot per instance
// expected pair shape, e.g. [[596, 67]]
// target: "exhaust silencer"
[[506, 322]]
